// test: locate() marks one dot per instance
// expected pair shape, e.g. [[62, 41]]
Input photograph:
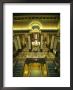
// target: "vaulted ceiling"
[[46, 21]]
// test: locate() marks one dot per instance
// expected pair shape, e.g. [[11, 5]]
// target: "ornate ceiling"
[[46, 21]]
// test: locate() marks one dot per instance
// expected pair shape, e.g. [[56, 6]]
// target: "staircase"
[[51, 70], [18, 70]]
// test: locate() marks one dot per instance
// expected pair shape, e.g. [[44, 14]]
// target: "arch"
[[35, 23]]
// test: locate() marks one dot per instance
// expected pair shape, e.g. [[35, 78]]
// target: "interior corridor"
[[36, 45]]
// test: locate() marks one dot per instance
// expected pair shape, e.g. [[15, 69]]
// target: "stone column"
[[29, 42], [23, 40], [41, 41], [15, 44], [55, 44], [52, 41], [19, 43], [48, 40]]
